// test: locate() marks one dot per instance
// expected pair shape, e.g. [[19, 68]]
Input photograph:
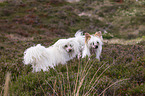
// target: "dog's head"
[[93, 41], [67, 45]]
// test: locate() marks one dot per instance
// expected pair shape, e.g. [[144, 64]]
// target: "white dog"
[[80, 38], [89, 44], [59, 53], [93, 44]]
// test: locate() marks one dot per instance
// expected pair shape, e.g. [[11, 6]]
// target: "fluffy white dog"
[[41, 57], [93, 44], [80, 38]]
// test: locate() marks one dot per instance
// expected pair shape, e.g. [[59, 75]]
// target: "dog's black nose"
[[70, 50], [96, 47]]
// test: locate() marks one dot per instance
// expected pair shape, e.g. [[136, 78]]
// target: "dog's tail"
[[37, 56], [34, 54], [79, 33]]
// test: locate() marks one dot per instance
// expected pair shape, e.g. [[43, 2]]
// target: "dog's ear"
[[99, 34], [87, 37]]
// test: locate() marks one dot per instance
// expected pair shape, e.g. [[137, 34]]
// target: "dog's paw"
[[98, 58]]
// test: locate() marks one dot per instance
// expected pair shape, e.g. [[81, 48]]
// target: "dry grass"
[[103, 92], [123, 41], [6, 87]]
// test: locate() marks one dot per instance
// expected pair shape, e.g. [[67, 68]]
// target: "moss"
[[3, 4]]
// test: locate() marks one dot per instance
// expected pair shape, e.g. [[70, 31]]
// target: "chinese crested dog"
[[93, 44]]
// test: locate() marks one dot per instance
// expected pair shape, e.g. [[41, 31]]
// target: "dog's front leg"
[[79, 55], [98, 53], [86, 52]]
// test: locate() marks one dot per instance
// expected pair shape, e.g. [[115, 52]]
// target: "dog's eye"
[[70, 45], [93, 43], [97, 42], [65, 46]]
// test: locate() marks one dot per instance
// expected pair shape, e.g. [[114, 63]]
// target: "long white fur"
[[88, 46], [80, 38], [41, 57]]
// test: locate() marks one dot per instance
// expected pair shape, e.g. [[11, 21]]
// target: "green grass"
[[120, 71]]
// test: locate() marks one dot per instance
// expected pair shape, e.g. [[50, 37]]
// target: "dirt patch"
[[14, 37], [1, 1], [123, 41], [72, 1]]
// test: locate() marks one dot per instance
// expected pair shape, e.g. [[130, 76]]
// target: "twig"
[[82, 80], [68, 80], [112, 85], [6, 87], [41, 86], [96, 81], [51, 88]]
